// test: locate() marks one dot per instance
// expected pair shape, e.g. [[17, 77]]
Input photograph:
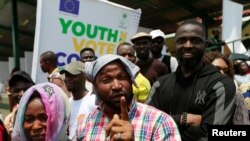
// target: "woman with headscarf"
[[43, 114], [226, 68]]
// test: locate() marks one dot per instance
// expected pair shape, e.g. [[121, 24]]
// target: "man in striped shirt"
[[119, 116]]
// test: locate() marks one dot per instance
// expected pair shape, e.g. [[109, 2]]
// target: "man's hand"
[[120, 128], [193, 120]]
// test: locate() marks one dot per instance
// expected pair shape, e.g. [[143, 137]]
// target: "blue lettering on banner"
[[64, 59], [70, 6]]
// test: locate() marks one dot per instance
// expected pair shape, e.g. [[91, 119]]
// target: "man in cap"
[[151, 68], [19, 82], [141, 91], [118, 116], [82, 101], [195, 95], [158, 42]]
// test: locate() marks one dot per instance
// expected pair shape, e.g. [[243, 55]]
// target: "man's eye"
[[124, 77], [181, 41], [197, 41], [124, 54], [16, 90], [106, 80], [130, 55]]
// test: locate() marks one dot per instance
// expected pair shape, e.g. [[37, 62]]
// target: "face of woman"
[[35, 119], [243, 67], [221, 65]]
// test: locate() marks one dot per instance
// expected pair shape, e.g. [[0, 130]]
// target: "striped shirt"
[[149, 124]]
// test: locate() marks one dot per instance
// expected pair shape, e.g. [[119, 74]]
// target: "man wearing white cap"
[[156, 49], [151, 68]]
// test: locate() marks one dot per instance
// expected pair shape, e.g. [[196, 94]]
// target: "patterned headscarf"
[[57, 108], [93, 68]]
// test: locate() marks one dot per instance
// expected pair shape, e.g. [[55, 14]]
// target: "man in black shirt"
[[158, 42], [196, 95]]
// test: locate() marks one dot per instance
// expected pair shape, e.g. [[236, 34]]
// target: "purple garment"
[[57, 109]]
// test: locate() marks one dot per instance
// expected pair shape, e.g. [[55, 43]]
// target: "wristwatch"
[[184, 119]]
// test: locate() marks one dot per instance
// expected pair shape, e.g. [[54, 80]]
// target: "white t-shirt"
[[89, 86], [241, 79], [79, 110], [173, 63]]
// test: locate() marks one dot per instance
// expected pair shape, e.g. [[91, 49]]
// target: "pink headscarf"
[[57, 109]]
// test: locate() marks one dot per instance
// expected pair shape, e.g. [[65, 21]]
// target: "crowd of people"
[[138, 93]]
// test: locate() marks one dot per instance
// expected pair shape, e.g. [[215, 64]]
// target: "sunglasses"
[[139, 43], [17, 93], [18, 90], [157, 41]]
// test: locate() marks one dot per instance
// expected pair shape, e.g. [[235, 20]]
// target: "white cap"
[[157, 33], [140, 35]]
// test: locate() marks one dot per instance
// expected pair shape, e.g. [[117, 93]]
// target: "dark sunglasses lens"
[[157, 41], [16, 98]]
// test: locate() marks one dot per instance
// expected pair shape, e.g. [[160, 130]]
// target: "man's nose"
[[21, 93], [116, 84], [126, 56], [188, 44]]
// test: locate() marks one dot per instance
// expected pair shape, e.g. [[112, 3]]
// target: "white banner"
[[12, 64], [4, 72], [28, 57], [67, 26], [232, 25]]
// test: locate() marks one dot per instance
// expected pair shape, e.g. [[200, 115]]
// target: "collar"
[[55, 70], [182, 80], [198, 67], [50, 75], [160, 58]]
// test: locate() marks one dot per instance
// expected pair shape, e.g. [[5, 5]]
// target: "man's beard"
[[156, 51], [190, 63], [143, 56], [128, 97]]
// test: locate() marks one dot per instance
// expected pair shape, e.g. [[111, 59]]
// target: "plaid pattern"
[[149, 124]]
